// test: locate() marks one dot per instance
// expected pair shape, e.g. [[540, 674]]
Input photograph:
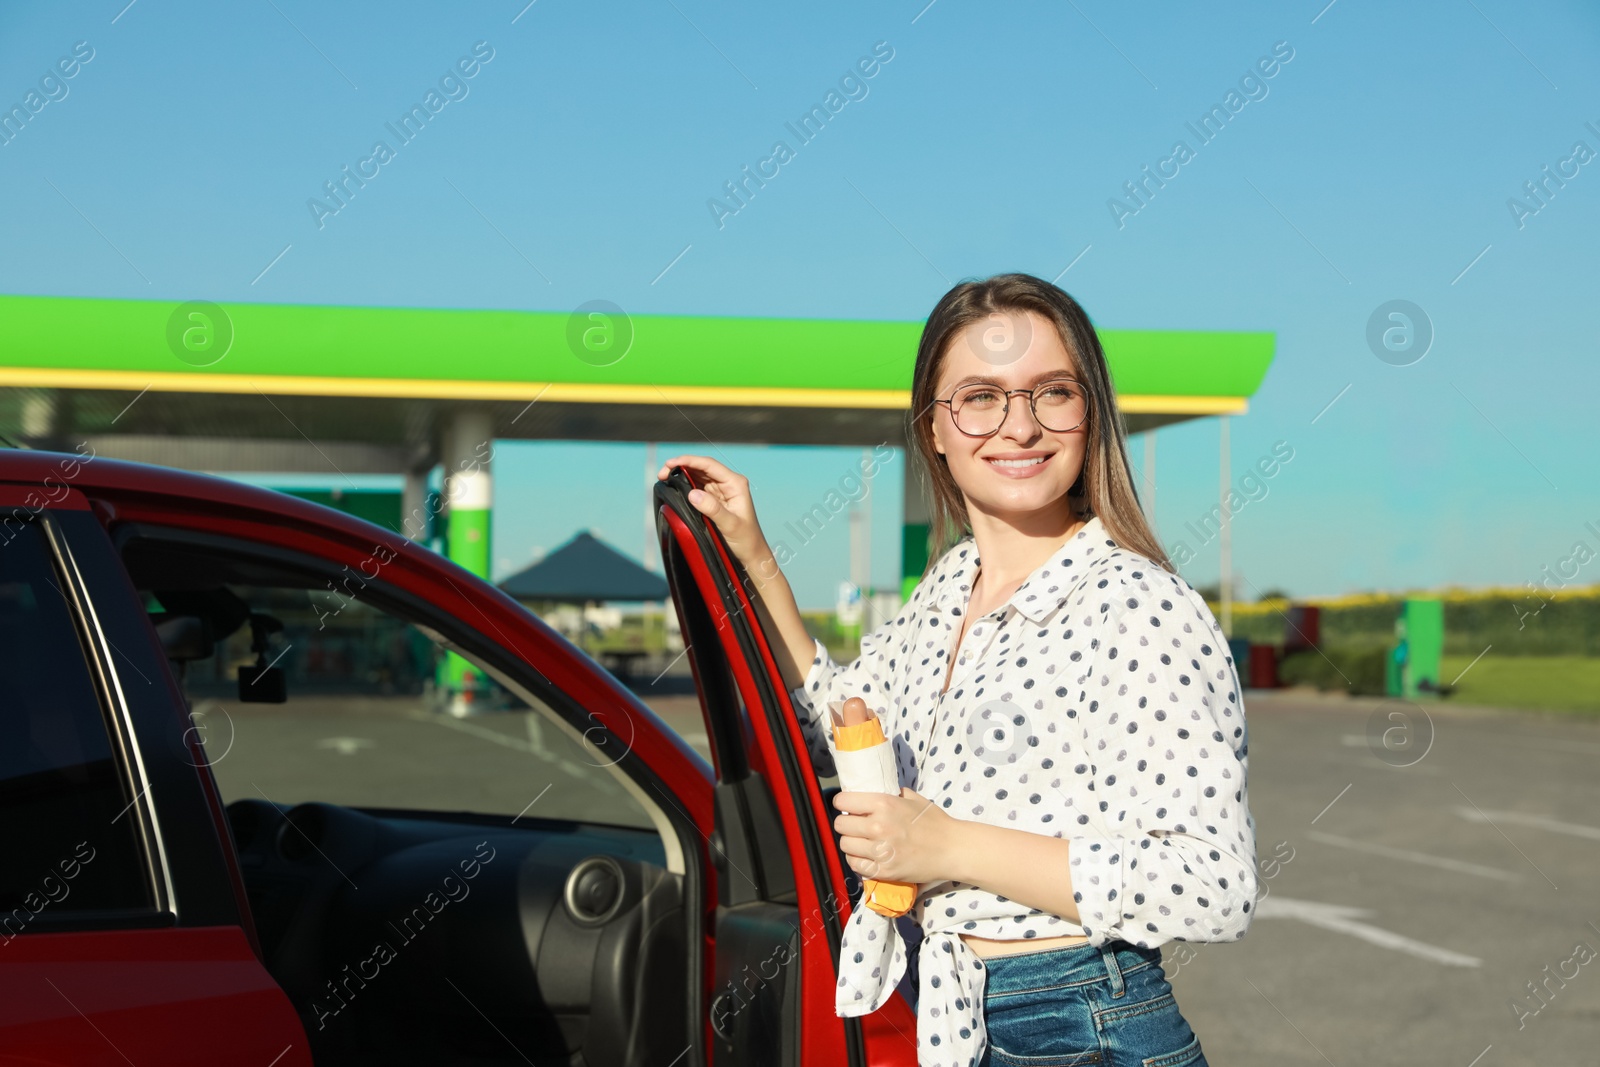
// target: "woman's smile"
[[1018, 464]]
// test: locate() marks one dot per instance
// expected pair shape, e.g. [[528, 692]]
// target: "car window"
[[67, 835], [368, 723]]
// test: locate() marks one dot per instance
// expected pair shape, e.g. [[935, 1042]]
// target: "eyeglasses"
[[979, 410]]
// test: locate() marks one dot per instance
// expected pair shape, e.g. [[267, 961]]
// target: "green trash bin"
[[1413, 663]]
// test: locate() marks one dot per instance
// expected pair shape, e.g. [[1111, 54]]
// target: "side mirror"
[[262, 685]]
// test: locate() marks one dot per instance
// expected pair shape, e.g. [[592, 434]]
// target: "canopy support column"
[[468, 492], [914, 529], [1225, 582]]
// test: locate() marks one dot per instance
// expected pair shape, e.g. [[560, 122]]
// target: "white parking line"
[[1568, 748], [345, 746], [1341, 919], [1459, 866], [1417, 768], [1586, 748], [599, 781], [1540, 822]]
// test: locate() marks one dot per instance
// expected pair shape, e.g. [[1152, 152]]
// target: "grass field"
[[1552, 683]]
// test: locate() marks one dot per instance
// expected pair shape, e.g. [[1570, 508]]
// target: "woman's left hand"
[[903, 838]]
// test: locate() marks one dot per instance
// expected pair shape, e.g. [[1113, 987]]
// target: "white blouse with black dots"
[[1099, 704]]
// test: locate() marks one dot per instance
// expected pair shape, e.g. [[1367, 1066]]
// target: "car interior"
[[426, 888]]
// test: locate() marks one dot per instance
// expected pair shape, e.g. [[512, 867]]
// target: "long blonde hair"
[[1104, 487]]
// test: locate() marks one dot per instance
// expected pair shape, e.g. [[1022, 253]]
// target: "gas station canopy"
[[384, 380]]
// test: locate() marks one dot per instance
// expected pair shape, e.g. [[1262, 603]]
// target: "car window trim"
[[126, 753]]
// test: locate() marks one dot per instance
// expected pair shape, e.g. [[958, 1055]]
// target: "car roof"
[[103, 477]]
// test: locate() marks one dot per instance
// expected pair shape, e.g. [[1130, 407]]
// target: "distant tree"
[[1210, 592], [1275, 594]]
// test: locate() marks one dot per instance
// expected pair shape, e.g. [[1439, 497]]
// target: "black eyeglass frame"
[[1005, 410]]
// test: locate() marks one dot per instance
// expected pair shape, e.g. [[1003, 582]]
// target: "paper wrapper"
[[865, 762]]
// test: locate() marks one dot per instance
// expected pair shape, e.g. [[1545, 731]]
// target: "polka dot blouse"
[[1099, 704]]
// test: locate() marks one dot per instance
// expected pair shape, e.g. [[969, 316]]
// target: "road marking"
[[1539, 822], [1484, 816], [1342, 919], [600, 782], [1588, 748], [345, 746], [483, 733], [1423, 858], [1362, 741]]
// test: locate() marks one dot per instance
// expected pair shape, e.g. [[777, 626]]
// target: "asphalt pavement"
[[1421, 866]]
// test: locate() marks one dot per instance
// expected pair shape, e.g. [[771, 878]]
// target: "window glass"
[[374, 718], [67, 830]]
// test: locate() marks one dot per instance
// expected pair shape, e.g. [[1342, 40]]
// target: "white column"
[[414, 505], [866, 523], [1226, 580], [469, 444], [39, 410]]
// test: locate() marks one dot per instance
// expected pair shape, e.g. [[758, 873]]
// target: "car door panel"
[[184, 997], [707, 581], [778, 752]]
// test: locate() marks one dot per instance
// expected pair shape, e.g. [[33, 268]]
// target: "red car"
[[237, 829]]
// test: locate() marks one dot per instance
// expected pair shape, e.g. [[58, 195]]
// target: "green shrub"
[[1358, 670], [1525, 623]]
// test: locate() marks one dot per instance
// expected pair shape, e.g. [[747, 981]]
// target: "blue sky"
[[1376, 166]]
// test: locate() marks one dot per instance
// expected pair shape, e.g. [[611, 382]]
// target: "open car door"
[[781, 893]]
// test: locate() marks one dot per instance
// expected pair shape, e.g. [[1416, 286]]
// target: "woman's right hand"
[[724, 498]]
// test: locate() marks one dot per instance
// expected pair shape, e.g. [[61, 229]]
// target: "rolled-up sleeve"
[[1165, 723], [828, 685], [811, 708]]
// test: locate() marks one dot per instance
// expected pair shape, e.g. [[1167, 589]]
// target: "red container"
[[1263, 667]]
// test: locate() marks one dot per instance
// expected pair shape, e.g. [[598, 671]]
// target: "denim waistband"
[[1068, 966]]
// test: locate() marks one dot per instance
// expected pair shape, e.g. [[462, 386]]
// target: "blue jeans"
[[1082, 1005]]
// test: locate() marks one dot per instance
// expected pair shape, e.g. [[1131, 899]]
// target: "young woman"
[[1065, 716]]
